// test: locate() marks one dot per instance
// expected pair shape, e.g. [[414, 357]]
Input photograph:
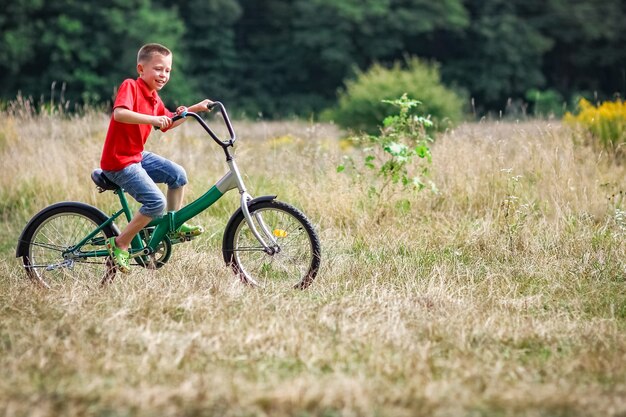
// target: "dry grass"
[[504, 294]]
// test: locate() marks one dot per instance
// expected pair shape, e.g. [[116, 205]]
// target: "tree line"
[[284, 57]]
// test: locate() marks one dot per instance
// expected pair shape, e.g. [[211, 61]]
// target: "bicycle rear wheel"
[[295, 251], [50, 235]]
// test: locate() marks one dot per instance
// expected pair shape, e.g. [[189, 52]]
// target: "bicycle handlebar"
[[229, 126]]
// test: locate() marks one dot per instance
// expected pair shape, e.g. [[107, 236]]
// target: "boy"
[[136, 110]]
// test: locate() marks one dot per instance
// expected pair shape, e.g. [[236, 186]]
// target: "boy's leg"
[[175, 198], [139, 185], [162, 170], [136, 182], [118, 246], [138, 222]]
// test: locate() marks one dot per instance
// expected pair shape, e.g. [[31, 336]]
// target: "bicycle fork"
[[233, 180]]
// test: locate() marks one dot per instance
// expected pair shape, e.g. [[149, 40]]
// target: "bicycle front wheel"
[[50, 236], [294, 254]]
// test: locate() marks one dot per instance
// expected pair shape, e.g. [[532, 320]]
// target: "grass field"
[[503, 294]]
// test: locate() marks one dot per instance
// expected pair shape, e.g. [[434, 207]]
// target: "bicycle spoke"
[[49, 246], [250, 249]]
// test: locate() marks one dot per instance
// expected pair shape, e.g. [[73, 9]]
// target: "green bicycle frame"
[[174, 219], [164, 225]]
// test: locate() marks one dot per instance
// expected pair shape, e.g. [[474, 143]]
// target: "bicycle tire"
[[56, 229], [297, 256]]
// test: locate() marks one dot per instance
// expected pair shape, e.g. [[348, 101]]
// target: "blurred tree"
[[87, 49], [209, 43], [338, 38], [282, 57], [498, 57], [588, 53], [17, 41], [273, 79]]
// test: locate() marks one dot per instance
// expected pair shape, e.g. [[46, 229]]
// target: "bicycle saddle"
[[102, 182]]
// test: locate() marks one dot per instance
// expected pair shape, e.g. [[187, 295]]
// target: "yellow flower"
[[606, 122]]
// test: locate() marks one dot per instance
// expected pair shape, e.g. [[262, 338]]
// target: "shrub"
[[360, 107], [546, 103], [606, 123]]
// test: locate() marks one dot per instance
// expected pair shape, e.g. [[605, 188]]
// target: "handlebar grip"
[[179, 116], [231, 133], [175, 118]]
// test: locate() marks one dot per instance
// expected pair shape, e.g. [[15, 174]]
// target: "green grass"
[[502, 295]]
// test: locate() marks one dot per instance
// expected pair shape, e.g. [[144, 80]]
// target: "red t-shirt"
[[124, 141]]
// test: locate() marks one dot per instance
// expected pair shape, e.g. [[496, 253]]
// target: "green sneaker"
[[120, 257], [187, 231]]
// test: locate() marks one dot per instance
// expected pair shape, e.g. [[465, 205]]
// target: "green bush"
[[546, 103], [361, 104]]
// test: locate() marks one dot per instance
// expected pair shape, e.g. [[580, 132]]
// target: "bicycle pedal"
[[176, 240], [182, 236]]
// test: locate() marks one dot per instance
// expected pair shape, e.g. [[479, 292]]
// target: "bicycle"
[[265, 242]]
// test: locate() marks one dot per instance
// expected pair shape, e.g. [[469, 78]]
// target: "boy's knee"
[[179, 177], [154, 208]]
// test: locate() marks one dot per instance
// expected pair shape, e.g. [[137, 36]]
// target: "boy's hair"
[[148, 50]]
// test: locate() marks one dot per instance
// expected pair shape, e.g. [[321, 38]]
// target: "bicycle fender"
[[22, 246], [250, 203]]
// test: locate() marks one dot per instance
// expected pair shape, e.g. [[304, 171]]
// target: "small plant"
[[605, 122], [391, 155], [513, 211], [617, 215]]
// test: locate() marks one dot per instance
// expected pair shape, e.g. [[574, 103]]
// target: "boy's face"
[[156, 71]]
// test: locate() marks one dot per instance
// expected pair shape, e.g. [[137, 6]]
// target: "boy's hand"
[[202, 106], [205, 104], [162, 122]]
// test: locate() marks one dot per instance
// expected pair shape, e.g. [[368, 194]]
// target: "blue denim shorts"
[[139, 180]]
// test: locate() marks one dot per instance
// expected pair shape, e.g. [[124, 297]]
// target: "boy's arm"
[[196, 108], [200, 107], [124, 115]]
